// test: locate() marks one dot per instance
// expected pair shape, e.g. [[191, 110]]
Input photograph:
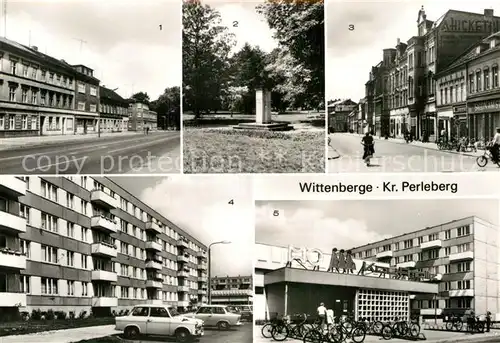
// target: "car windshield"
[[232, 309], [173, 311]]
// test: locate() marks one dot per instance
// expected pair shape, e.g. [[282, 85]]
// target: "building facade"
[[81, 244], [232, 290], [464, 252], [86, 100], [406, 78], [140, 117], [338, 114], [113, 111]]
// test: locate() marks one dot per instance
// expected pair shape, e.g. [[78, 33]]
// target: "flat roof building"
[[232, 290]]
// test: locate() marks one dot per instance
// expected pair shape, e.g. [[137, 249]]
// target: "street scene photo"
[[253, 86], [126, 259], [83, 94], [344, 271], [421, 95]]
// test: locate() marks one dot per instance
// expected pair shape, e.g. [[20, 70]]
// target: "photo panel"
[[423, 254], [253, 86], [81, 251], [412, 87], [83, 94]]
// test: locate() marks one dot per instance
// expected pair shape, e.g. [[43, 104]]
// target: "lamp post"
[[210, 269]]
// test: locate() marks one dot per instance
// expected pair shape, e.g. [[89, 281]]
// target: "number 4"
[[231, 202]]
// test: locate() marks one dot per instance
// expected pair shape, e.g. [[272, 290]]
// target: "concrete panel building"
[[78, 244], [232, 290], [465, 252], [140, 117]]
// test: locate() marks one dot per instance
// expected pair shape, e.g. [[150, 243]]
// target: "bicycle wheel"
[[449, 326], [480, 327], [482, 161], [335, 335], [414, 330], [312, 336], [280, 333], [358, 335], [348, 327], [377, 328], [459, 325], [266, 330], [386, 332]]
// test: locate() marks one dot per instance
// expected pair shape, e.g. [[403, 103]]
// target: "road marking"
[[135, 146]]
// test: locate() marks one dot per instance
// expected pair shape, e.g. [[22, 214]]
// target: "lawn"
[[242, 151], [33, 326]]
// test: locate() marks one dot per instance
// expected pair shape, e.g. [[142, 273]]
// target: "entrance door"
[[63, 125], [42, 124], [337, 308]]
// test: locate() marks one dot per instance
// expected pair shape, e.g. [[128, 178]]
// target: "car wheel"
[[182, 335], [131, 332], [223, 326]]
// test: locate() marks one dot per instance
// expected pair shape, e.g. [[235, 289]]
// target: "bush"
[[71, 314], [50, 315], [25, 316], [36, 314], [82, 314], [61, 315]]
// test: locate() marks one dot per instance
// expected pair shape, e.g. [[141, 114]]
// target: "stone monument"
[[263, 117]]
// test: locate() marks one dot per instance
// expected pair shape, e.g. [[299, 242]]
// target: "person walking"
[[495, 145], [334, 261], [321, 310], [349, 261]]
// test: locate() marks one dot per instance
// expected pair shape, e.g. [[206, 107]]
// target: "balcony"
[[431, 244], [153, 264], [183, 259], [182, 289], [202, 292], [431, 311], [154, 284], [104, 302], [152, 245], [183, 303], [154, 302], [153, 227], [183, 243], [103, 223], [13, 223], [406, 265], [8, 299], [104, 275], [202, 279], [104, 249], [103, 199], [12, 186], [461, 256], [202, 266], [12, 259], [384, 254], [182, 273], [458, 293], [201, 254]]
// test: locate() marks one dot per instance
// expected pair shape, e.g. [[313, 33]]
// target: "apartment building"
[[402, 87], [113, 111], [86, 100], [140, 117], [85, 244], [232, 290], [464, 253]]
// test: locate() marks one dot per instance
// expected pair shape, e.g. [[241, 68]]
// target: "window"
[[25, 247], [447, 251], [84, 261], [494, 76], [51, 77], [433, 254], [420, 240], [70, 258], [70, 200], [84, 234], [13, 67], [463, 231], [408, 244], [26, 284], [464, 302], [34, 97], [463, 267], [81, 87], [159, 312], [85, 288], [34, 122], [2, 121], [138, 311], [93, 108], [447, 269], [43, 75], [24, 95], [34, 71], [83, 204], [49, 222], [93, 91], [70, 228], [49, 254], [447, 234], [486, 78], [471, 83], [12, 93], [81, 106], [71, 287], [463, 247], [464, 284], [49, 191], [433, 237], [49, 286], [24, 212], [447, 286], [478, 81], [124, 293]]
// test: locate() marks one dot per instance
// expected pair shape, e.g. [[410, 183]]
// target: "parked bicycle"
[[372, 327], [446, 145], [475, 325], [454, 323], [400, 329]]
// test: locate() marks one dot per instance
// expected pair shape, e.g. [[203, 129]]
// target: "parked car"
[[246, 311], [219, 316], [158, 320]]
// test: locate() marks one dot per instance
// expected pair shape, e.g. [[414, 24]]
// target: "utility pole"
[[81, 43]]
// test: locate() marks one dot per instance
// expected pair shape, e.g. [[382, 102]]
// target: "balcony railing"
[[182, 303], [458, 293], [12, 222], [409, 264], [154, 284], [462, 256], [183, 243], [154, 301], [153, 227], [12, 299], [431, 244], [202, 266], [182, 273], [201, 254], [384, 254], [104, 275], [12, 259], [182, 259], [12, 186], [182, 289], [103, 199], [153, 264], [104, 301], [104, 249], [104, 223], [153, 245]]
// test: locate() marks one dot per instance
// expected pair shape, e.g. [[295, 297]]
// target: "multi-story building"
[[338, 114], [431, 51], [140, 117], [113, 111], [78, 244], [463, 252], [231, 290], [86, 100]]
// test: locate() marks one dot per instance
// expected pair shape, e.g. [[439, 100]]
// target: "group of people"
[[341, 260]]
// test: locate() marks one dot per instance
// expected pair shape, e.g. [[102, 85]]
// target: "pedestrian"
[[334, 261], [495, 145], [321, 310], [342, 263], [488, 321]]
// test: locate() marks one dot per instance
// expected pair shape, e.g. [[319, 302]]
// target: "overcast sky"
[[200, 206], [347, 224], [377, 26], [250, 28], [124, 43]]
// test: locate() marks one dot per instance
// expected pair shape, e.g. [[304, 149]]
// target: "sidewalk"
[[62, 336], [20, 142], [430, 145]]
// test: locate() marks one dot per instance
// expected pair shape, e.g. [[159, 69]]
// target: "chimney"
[[398, 41], [34, 48], [488, 12]]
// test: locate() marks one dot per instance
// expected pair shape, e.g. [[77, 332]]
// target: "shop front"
[[483, 119], [445, 122], [86, 124], [428, 123], [459, 127], [399, 122]]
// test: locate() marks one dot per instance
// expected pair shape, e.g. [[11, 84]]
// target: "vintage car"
[[158, 320], [246, 311], [217, 316]]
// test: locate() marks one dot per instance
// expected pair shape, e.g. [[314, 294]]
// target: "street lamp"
[[210, 269]]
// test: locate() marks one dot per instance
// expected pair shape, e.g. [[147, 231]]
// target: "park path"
[[62, 336]]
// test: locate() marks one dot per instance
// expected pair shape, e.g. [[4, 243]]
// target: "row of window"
[[459, 303], [28, 122], [433, 254]]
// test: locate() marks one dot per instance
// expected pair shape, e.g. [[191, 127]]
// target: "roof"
[[111, 94], [206, 305]]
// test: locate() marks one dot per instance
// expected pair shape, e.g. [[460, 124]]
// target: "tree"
[[141, 97], [206, 45], [167, 106], [299, 30]]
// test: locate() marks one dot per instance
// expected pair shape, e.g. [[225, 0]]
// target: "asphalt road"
[[345, 153], [105, 155]]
